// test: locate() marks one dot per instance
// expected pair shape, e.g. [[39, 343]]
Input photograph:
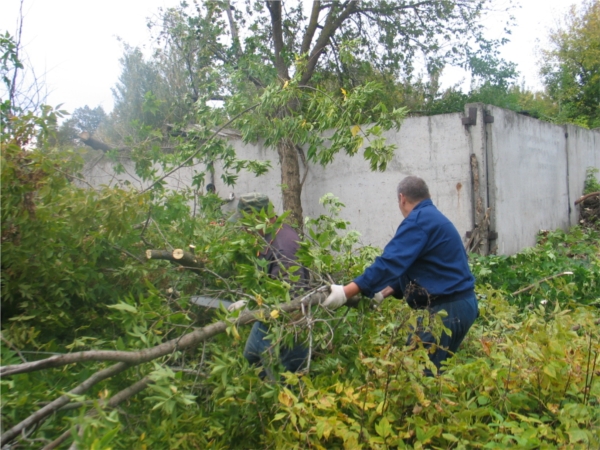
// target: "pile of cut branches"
[[589, 210]]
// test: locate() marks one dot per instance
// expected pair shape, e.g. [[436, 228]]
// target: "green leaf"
[[383, 428], [123, 307]]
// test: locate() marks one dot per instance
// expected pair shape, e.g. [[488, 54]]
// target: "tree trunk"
[[291, 188]]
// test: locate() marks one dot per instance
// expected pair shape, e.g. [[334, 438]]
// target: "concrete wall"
[[434, 148], [529, 187], [536, 171], [525, 172]]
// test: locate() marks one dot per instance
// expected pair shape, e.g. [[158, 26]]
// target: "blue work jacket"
[[426, 250]]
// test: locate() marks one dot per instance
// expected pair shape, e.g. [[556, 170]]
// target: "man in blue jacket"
[[426, 263]]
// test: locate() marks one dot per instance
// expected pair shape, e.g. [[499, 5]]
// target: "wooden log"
[[159, 254], [178, 256]]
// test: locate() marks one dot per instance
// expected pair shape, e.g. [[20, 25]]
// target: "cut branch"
[[129, 359], [178, 256], [138, 357], [585, 197], [114, 401]]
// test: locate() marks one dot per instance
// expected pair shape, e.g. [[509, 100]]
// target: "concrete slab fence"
[[499, 176]]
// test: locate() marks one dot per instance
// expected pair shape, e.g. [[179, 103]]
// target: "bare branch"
[[274, 8], [312, 27], [114, 401], [531, 286], [233, 29], [332, 24], [17, 48], [585, 197]]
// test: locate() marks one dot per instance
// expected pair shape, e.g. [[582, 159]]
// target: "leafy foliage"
[[525, 377], [285, 74], [557, 252], [591, 182], [571, 67]]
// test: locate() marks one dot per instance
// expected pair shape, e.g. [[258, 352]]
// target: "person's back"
[[441, 266]]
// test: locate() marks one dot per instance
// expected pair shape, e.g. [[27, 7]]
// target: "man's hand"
[[237, 305], [336, 298], [377, 300]]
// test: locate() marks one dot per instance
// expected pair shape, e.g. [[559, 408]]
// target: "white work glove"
[[377, 299], [336, 298], [237, 305]]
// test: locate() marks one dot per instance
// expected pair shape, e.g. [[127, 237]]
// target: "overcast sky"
[[73, 44]]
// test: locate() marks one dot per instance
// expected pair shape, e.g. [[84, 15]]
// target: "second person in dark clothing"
[[280, 252]]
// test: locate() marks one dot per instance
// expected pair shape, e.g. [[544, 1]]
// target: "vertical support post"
[[475, 125]]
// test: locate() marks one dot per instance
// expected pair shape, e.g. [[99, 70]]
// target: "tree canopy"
[[307, 67], [571, 66]]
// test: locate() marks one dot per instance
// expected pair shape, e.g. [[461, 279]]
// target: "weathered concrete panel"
[[434, 148], [529, 187]]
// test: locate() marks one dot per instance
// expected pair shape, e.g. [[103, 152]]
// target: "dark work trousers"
[[260, 351], [462, 312]]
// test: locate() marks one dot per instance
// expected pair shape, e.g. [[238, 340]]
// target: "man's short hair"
[[414, 189]]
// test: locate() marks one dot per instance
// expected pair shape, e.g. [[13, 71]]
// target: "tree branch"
[[312, 27], [234, 32], [585, 197], [274, 8], [193, 155], [178, 256], [331, 26], [53, 406], [387, 10], [114, 401], [531, 286], [179, 343]]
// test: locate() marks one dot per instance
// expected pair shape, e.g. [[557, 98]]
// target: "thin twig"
[[16, 350], [531, 286], [162, 235], [114, 401], [146, 226], [193, 155], [122, 250]]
